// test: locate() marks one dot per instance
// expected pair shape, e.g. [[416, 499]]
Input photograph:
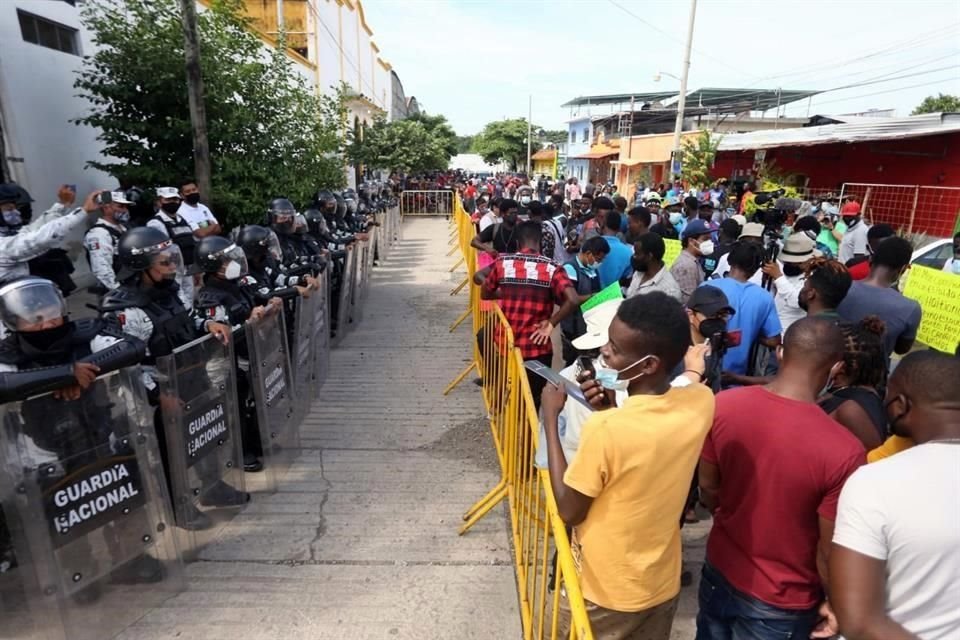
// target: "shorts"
[[654, 623]]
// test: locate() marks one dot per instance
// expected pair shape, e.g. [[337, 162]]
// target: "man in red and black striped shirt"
[[527, 287]]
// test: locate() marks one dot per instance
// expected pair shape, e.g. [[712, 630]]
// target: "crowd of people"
[[755, 376], [166, 273]]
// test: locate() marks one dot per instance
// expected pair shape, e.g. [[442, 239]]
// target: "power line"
[[877, 93]]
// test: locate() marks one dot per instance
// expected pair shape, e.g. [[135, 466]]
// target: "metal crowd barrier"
[[551, 602], [426, 203]]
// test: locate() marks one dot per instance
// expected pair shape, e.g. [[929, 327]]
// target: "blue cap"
[[696, 227]]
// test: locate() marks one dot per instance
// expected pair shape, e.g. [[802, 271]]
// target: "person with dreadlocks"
[[824, 288], [854, 396]]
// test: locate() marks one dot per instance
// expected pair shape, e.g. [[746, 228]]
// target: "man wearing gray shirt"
[[877, 296]]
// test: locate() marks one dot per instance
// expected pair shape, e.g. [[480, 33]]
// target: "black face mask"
[[712, 326], [192, 199], [44, 340], [638, 264], [170, 207], [850, 220]]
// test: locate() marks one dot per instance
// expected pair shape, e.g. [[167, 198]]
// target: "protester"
[[616, 266], [894, 566], [582, 270], [809, 225], [527, 286], [832, 227], [629, 480], [686, 269], [860, 266], [952, 265], [638, 223], [596, 225], [824, 288], [649, 272], [854, 242], [771, 472], [876, 295], [756, 313], [727, 235], [788, 277], [854, 398], [750, 233], [500, 237], [488, 215]]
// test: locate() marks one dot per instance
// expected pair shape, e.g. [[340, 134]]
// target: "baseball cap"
[[598, 321], [752, 230], [741, 219], [798, 248], [709, 301], [168, 192], [118, 197], [852, 208], [696, 227]]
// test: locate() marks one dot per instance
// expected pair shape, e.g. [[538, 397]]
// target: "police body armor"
[[182, 235], [237, 299], [116, 234], [173, 326]]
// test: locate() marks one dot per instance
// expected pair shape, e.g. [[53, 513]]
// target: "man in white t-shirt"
[[894, 563], [196, 213]]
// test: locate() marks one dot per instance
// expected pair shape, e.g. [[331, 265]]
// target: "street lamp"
[[658, 74]]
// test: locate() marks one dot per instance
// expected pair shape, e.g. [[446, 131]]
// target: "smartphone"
[[585, 365], [104, 198]]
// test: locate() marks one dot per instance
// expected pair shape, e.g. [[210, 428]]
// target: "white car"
[[934, 255]]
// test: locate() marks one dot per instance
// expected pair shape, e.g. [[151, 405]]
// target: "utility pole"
[[529, 131], [198, 112], [682, 103]]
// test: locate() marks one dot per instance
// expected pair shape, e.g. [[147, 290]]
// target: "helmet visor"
[[233, 263], [27, 305], [273, 247], [168, 259]]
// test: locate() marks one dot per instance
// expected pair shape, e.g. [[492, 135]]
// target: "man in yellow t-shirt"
[[626, 488]]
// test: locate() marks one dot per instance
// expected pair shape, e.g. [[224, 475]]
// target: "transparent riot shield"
[[359, 281], [371, 257], [321, 333], [89, 530], [198, 405], [273, 394], [302, 355], [344, 312]]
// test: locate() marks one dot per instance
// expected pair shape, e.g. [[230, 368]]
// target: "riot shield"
[[86, 506], [359, 281], [273, 393], [302, 354], [371, 257], [321, 334], [198, 405], [344, 312]]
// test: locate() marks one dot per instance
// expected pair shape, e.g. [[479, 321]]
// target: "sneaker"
[[223, 495], [195, 520]]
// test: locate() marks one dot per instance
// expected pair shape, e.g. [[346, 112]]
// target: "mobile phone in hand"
[[585, 365]]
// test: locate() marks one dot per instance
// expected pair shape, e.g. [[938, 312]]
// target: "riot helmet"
[[149, 250], [216, 254], [316, 223], [281, 212], [31, 304], [341, 206], [258, 242], [326, 202], [299, 224]]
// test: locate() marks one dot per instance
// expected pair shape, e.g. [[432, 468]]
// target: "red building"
[[904, 162]]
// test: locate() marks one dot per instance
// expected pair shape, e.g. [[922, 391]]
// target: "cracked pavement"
[[360, 541]]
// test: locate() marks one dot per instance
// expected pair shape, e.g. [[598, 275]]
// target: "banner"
[[938, 293], [672, 251]]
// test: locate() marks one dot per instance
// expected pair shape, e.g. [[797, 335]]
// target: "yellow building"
[[646, 158], [545, 163]]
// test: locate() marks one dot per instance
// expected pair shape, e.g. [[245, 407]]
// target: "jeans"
[[727, 614]]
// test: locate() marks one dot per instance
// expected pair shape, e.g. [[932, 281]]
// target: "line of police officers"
[[146, 276]]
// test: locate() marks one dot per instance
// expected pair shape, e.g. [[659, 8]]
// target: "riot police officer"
[[168, 220], [102, 239], [19, 243], [45, 351], [147, 306], [229, 295]]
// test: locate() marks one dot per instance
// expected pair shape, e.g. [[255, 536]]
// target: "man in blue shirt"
[[755, 313], [616, 266]]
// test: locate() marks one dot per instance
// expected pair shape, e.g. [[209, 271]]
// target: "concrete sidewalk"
[[361, 540]]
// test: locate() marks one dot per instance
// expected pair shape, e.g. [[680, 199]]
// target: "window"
[[936, 257], [573, 137], [586, 135], [48, 34]]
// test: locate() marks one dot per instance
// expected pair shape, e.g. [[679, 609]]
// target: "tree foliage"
[[464, 144], [697, 158], [940, 103], [503, 141], [438, 126], [269, 134], [402, 145], [552, 136]]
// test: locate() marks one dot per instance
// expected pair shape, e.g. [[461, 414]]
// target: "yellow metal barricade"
[[551, 603]]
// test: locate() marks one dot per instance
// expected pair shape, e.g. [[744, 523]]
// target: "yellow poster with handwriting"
[[938, 293], [672, 251]]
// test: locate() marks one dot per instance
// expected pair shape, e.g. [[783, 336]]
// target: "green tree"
[[503, 141], [936, 104], [554, 136], [464, 144], [269, 134], [697, 158], [438, 126], [402, 145]]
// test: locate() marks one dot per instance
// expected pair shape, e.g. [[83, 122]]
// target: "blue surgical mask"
[[12, 218], [676, 218], [122, 217], [589, 269], [610, 378]]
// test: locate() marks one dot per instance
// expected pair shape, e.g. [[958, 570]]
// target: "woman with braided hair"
[[855, 396]]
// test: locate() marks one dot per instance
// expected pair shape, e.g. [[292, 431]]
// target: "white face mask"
[[233, 270], [525, 200], [706, 247]]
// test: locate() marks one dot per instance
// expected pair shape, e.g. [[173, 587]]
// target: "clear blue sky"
[[477, 61]]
